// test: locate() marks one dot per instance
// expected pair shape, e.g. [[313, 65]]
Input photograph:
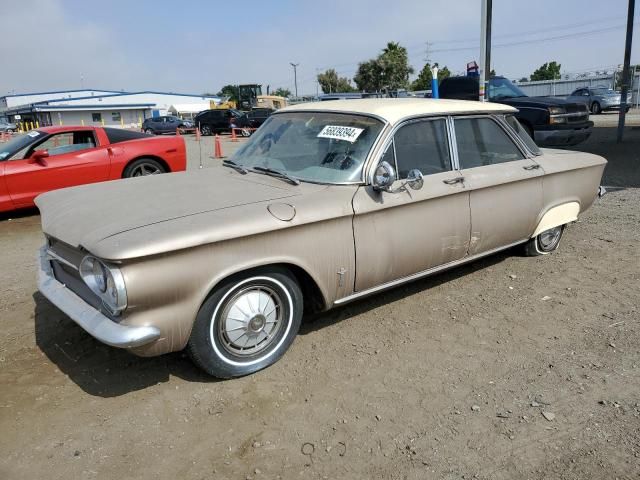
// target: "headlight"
[[557, 110], [106, 282], [557, 115]]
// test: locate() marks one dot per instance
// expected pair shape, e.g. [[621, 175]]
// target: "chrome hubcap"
[[250, 320], [550, 237], [145, 169]]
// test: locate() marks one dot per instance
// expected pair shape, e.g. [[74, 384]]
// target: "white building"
[[98, 107]]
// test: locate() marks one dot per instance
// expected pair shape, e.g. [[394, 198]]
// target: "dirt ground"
[[508, 368]]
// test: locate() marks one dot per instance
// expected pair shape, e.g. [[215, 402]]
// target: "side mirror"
[[415, 179], [384, 176], [39, 157]]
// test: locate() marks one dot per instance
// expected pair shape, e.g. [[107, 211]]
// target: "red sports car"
[[56, 157]]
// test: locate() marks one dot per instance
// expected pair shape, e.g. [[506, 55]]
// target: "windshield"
[[18, 143], [523, 134], [503, 88], [319, 147]]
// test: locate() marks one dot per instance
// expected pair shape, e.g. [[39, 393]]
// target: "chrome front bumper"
[[94, 322]]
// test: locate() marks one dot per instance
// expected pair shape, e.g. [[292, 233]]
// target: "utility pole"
[[317, 83], [295, 76], [427, 52], [485, 49], [625, 70]]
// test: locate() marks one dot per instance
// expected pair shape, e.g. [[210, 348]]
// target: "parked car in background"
[[56, 157], [8, 127], [599, 99], [166, 124], [550, 121], [216, 120], [252, 119], [326, 203]]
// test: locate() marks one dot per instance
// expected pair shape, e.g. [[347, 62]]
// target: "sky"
[[198, 46]]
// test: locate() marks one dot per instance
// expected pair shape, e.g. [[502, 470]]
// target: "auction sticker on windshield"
[[350, 134]]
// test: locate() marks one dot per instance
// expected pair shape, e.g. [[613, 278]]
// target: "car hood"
[[536, 102], [86, 215]]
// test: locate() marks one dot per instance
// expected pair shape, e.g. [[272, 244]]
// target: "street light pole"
[[625, 70], [485, 48], [295, 76]]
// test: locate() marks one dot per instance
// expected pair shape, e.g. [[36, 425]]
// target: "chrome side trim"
[[90, 319], [54, 256], [424, 273]]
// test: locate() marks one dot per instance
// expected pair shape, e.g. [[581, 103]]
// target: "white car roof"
[[396, 109]]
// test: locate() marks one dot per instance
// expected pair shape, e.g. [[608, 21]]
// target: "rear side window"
[[481, 141], [117, 135], [423, 145]]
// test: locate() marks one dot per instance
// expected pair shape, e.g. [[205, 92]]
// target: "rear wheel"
[[545, 242], [205, 130], [596, 108], [247, 324], [143, 167], [148, 131]]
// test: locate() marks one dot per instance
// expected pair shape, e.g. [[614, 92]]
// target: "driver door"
[[405, 231], [74, 159]]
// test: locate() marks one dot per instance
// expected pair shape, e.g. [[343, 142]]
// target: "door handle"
[[453, 181], [532, 167]]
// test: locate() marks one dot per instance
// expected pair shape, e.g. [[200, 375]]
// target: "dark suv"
[[550, 121], [165, 124], [216, 121]]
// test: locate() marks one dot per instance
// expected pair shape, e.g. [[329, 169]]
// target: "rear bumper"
[[567, 136], [90, 319]]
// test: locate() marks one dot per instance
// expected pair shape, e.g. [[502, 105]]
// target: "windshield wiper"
[[235, 166], [278, 173]]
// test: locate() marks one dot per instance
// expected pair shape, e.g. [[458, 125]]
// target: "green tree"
[[230, 92], [330, 82], [368, 78], [282, 92], [423, 82], [390, 70], [548, 71], [394, 61]]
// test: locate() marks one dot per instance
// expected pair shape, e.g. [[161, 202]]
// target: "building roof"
[[113, 106], [125, 94], [59, 91], [395, 109]]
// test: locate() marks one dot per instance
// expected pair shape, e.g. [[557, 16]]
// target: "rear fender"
[[556, 216]]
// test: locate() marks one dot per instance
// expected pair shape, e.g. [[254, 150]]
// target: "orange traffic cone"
[[177, 132], [233, 135], [218, 147], [197, 134]]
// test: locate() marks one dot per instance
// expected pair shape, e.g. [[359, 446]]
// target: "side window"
[[481, 141], [423, 145], [67, 142]]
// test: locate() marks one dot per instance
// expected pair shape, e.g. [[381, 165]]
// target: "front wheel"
[[205, 130], [148, 131], [545, 242], [596, 108], [247, 324]]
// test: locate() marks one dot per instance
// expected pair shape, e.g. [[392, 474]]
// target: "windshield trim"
[[367, 159]]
